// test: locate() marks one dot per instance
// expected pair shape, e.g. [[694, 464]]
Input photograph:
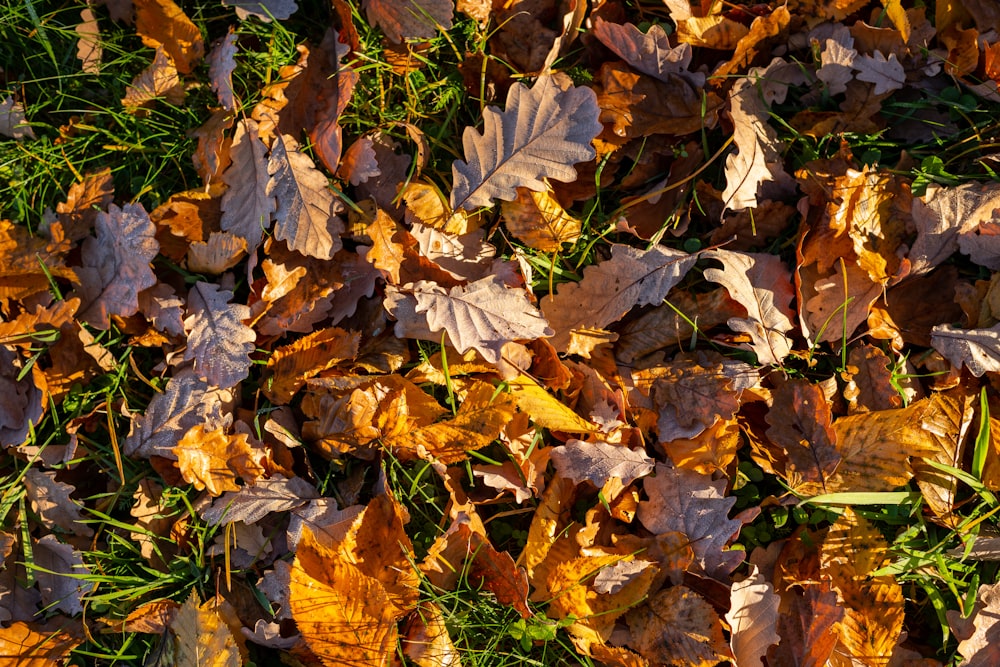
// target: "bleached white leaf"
[[542, 132], [218, 342], [483, 315], [597, 462]]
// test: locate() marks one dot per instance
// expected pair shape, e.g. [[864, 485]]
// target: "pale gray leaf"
[[597, 462], [50, 499], [57, 563], [218, 342], [648, 52], [116, 264], [12, 121], [247, 207], [542, 133], [255, 501], [613, 578], [264, 10], [753, 617], [306, 215], [978, 349], [483, 315]]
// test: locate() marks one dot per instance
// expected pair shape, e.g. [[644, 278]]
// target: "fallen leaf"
[[410, 19], [116, 264], [61, 574], [610, 289], [161, 23], [25, 646], [678, 627], [981, 647], [221, 252], [542, 132], [252, 502], [212, 460], [306, 213], [648, 52], [22, 402], [886, 73], [753, 617], [201, 637], [801, 425], [482, 315], [291, 365], [358, 163], [597, 462], [51, 500], [976, 349], [761, 284], [426, 641], [88, 43], [809, 629], [537, 220], [221, 63], [264, 10], [13, 123], [218, 341]]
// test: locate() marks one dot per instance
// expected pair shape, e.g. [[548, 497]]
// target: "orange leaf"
[[23, 646], [213, 460], [163, 23], [291, 365]]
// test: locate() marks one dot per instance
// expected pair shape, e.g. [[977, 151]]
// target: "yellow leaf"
[[345, 617], [545, 410], [291, 365], [213, 460], [23, 646], [202, 638], [427, 642], [425, 204], [537, 220], [894, 10]]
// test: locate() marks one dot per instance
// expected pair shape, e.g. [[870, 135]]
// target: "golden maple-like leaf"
[[345, 617], [201, 636], [479, 421], [213, 460], [291, 365]]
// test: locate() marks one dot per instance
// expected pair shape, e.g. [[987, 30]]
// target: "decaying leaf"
[[221, 64], [649, 53], [542, 132], [51, 500], [88, 45], [416, 19], [537, 220]]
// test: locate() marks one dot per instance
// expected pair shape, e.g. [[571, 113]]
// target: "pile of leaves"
[[658, 292]]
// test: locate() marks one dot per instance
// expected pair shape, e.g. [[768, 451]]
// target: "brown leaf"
[[358, 163], [78, 213], [678, 627], [221, 252], [22, 402], [976, 349], [801, 424], [306, 214], [116, 264], [753, 617], [762, 285], [410, 19], [264, 10], [13, 124], [610, 289], [218, 341], [51, 500], [62, 575], [808, 629], [265, 496], [161, 23], [649, 52], [425, 639], [982, 646], [542, 132], [426, 205], [24, 646], [221, 64], [27, 260], [690, 503]]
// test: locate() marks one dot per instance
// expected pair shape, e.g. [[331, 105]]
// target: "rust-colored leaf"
[[161, 23]]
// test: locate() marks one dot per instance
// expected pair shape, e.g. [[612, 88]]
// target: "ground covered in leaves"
[[520, 332]]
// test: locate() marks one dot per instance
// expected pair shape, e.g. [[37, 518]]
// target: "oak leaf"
[[116, 264], [253, 502], [610, 289], [221, 64], [886, 73], [597, 462], [201, 636], [542, 132], [483, 315], [83, 201], [358, 163], [982, 647], [218, 341], [752, 618], [88, 43], [161, 23], [648, 52], [406, 19], [51, 500], [62, 575], [306, 216], [763, 285], [22, 402], [247, 207], [13, 123], [221, 252], [212, 460], [186, 402], [264, 10], [976, 349], [691, 503]]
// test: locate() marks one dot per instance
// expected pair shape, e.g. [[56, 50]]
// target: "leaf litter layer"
[[422, 333]]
